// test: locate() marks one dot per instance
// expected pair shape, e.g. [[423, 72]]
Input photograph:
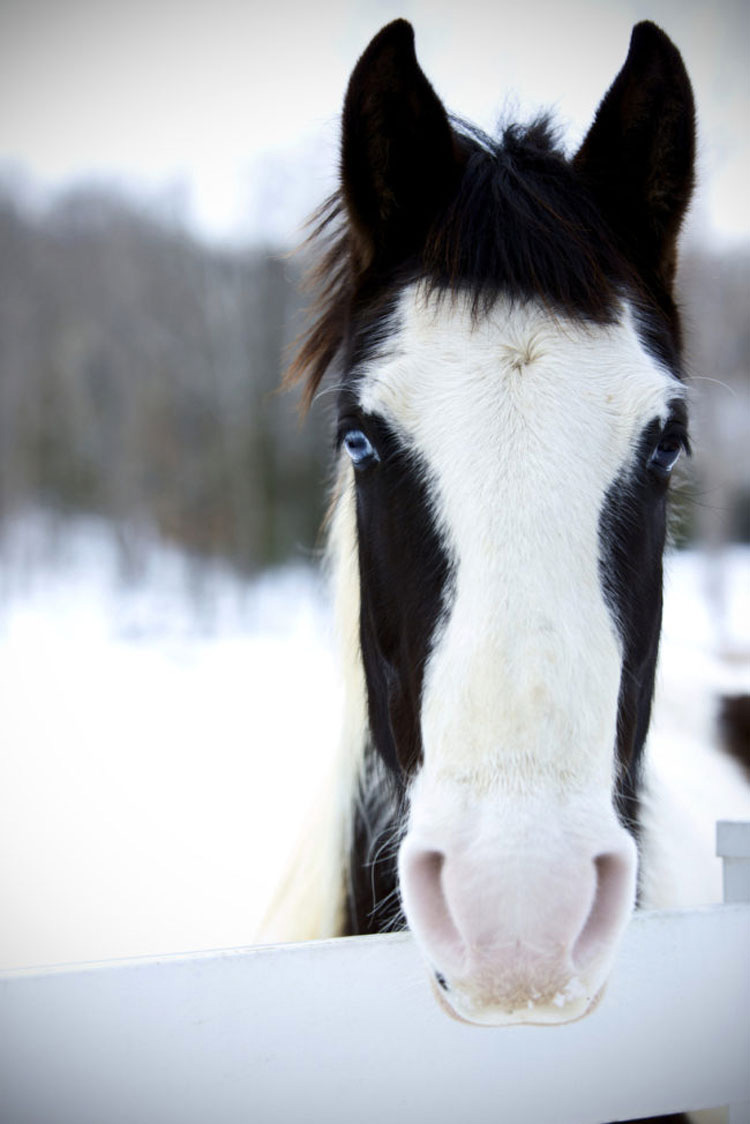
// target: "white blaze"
[[522, 421]]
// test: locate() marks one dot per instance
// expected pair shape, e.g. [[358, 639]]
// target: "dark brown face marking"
[[404, 578], [632, 532]]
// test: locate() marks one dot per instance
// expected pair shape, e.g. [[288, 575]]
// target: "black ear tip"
[[399, 34], [399, 28], [393, 46], [648, 40], [649, 35], [647, 29]]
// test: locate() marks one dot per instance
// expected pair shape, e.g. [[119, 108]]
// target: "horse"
[[506, 347]]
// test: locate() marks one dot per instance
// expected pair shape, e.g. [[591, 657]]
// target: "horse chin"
[[564, 1007]]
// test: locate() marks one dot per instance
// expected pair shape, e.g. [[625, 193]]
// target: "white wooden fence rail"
[[347, 1032]]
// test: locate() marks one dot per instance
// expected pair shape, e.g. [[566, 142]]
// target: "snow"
[[161, 732], [705, 646], [705, 654], [157, 744]]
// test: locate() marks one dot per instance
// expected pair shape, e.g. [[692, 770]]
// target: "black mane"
[[520, 224]]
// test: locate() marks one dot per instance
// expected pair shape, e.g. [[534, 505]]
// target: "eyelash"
[[673, 441]]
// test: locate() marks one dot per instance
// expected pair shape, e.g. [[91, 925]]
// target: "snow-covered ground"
[[160, 737], [158, 745]]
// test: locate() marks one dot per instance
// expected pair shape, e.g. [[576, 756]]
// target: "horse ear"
[[398, 158], [638, 156]]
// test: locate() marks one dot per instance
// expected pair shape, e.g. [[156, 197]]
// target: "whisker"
[[718, 382]]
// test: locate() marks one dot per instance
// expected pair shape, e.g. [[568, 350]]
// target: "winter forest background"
[[139, 375], [140, 371], [168, 698]]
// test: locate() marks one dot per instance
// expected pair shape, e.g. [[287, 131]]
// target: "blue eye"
[[360, 449], [666, 454]]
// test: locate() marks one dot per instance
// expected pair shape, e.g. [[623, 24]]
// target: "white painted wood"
[[347, 1032], [733, 845]]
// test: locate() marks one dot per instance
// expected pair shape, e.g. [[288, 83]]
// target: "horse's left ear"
[[638, 156]]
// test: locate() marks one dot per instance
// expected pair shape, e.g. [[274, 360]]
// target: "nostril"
[[422, 876], [609, 910]]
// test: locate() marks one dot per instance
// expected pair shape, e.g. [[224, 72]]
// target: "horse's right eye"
[[360, 449]]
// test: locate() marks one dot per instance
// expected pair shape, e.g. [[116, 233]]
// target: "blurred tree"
[[139, 374], [715, 289], [137, 377]]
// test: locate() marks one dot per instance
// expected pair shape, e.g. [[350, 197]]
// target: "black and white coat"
[[511, 404]]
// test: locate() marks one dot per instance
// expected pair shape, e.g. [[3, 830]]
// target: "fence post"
[[733, 846]]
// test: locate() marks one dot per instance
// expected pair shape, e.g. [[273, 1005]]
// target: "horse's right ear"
[[398, 156]]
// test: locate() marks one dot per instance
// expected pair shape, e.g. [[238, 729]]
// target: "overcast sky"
[[230, 107]]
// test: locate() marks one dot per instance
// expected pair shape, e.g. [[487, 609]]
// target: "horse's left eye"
[[666, 453], [360, 449]]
